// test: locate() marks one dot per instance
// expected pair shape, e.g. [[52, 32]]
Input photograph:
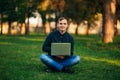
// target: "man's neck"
[[62, 32]]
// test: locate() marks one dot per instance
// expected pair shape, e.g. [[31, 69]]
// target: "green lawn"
[[19, 59]]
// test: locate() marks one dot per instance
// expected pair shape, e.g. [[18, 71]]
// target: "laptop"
[[60, 49]]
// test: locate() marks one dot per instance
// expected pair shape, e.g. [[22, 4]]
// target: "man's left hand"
[[60, 57]]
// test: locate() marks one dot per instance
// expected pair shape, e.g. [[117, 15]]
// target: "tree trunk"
[[27, 27], [88, 27], [47, 28], [1, 23], [27, 16], [76, 30], [109, 8], [9, 27]]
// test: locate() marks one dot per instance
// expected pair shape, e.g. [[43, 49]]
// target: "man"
[[60, 63]]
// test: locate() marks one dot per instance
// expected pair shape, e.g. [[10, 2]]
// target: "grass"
[[19, 59]]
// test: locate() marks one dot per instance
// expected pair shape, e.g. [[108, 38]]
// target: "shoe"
[[68, 70], [51, 70], [48, 70]]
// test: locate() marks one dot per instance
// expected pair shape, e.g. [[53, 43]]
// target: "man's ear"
[[57, 24]]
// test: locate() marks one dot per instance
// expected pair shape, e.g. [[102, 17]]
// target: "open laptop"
[[60, 49]]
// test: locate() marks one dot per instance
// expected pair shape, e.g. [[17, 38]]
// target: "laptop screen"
[[60, 48]]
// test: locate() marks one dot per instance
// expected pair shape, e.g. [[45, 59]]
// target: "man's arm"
[[47, 44], [72, 45]]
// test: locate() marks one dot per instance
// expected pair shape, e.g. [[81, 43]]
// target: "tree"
[[13, 10], [80, 10], [8, 8], [1, 14], [109, 11]]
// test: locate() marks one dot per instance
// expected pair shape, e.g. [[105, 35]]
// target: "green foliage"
[[77, 10], [19, 59], [80, 10], [8, 7]]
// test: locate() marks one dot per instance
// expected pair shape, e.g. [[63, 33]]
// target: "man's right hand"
[[60, 57]]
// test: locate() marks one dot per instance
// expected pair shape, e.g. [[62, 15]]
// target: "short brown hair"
[[61, 18]]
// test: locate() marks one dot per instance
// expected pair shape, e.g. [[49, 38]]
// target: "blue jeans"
[[50, 62]]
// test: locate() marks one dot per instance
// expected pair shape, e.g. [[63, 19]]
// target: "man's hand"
[[60, 57]]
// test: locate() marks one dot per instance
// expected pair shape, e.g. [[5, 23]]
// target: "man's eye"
[[60, 23], [64, 23]]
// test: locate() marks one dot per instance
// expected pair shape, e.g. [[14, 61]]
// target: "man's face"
[[62, 25]]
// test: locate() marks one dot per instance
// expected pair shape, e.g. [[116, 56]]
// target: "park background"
[[94, 24]]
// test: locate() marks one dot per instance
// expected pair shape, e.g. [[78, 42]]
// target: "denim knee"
[[42, 56], [77, 58]]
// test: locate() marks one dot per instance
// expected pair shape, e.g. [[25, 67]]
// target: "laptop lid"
[[60, 48]]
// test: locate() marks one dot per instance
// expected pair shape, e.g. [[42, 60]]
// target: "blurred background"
[[21, 17], [94, 25]]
